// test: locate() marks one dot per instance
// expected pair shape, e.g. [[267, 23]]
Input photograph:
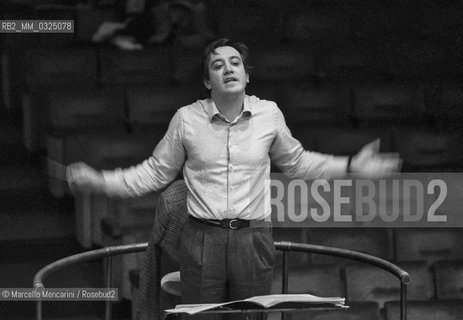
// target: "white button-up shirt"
[[226, 164]]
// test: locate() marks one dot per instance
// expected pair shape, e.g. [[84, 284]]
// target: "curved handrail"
[[86, 256], [402, 275], [284, 246], [106, 253]]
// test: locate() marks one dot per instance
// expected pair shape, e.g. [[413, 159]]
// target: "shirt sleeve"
[[156, 172], [289, 155]]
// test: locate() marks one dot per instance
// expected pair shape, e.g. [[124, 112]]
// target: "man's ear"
[[207, 84]]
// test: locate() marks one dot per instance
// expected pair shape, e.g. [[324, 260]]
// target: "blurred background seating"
[[343, 72]]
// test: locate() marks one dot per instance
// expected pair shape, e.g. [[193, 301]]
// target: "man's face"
[[226, 72]]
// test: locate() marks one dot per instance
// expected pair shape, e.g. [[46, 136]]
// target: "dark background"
[[343, 73]]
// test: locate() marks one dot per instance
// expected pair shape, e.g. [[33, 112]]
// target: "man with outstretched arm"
[[224, 145]]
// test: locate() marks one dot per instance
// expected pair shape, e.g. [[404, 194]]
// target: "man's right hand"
[[83, 178]]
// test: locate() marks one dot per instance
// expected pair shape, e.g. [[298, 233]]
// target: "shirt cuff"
[[338, 167]]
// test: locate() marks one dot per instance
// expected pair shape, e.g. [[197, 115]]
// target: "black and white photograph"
[[231, 159]]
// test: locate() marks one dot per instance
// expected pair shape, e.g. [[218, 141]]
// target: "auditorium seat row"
[[166, 63], [398, 244], [434, 293], [417, 310], [358, 282], [71, 111], [55, 110]]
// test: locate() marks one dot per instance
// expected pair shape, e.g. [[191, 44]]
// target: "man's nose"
[[228, 68]]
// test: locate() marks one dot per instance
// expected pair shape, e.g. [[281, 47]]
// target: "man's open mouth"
[[227, 80]]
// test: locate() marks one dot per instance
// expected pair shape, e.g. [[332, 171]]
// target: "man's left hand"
[[372, 164]]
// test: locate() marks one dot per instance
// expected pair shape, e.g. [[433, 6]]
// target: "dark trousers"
[[219, 265]]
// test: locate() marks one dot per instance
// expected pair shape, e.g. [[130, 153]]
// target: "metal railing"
[[400, 274], [285, 246], [104, 253]]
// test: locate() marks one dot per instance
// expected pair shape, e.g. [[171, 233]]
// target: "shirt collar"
[[212, 110]]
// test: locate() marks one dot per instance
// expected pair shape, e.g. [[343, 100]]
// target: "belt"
[[225, 223]]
